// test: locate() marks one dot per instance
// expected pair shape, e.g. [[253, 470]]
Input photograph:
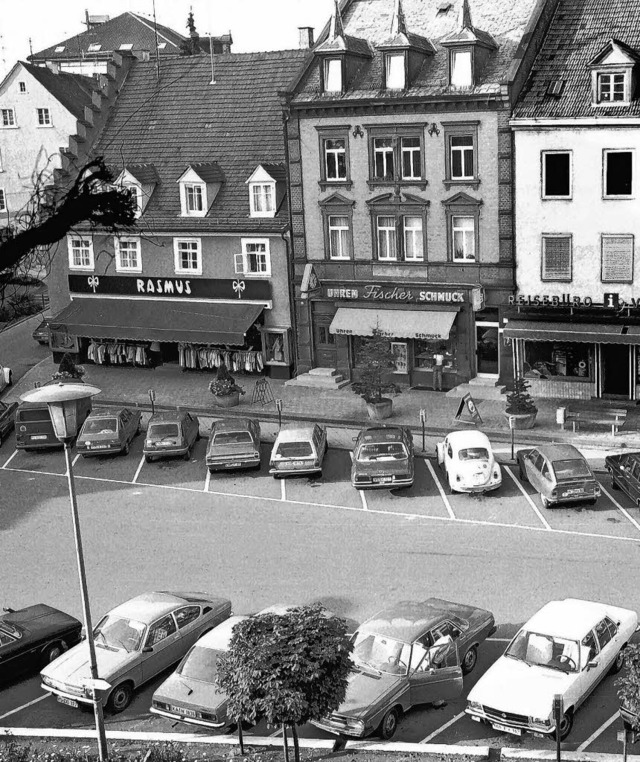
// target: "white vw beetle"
[[468, 462], [566, 649]]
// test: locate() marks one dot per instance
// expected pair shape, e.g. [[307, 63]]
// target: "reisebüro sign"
[[381, 292]]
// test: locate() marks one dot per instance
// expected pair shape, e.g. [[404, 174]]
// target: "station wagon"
[[299, 450], [233, 443], [383, 458], [171, 433], [559, 473]]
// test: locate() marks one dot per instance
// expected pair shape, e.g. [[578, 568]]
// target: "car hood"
[[229, 450], [73, 666], [366, 691], [513, 686], [185, 691]]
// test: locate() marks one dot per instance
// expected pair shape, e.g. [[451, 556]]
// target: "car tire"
[[187, 455], [120, 698], [618, 663], [613, 483], [522, 473], [545, 502], [148, 458], [566, 723], [469, 660], [126, 448], [52, 652], [389, 724]]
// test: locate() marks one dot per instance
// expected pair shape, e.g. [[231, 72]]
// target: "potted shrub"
[[68, 370], [226, 392], [376, 362], [520, 405], [629, 689]]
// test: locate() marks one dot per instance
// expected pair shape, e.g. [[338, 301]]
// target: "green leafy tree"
[[375, 362], [519, 400], [628, 684], [288, 668]]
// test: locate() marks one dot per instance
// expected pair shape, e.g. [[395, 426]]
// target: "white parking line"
[[363, 498], [207, 481], [10, 458], [283, 491], [24, 706], [137, 473], [498, 640], [593, 736], [275, 733], [445, 499], [442, 727], [528, 498], [75, 460], [625, 513]]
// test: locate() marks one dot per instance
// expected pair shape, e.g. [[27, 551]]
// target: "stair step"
[[318, 382], [323, 372]]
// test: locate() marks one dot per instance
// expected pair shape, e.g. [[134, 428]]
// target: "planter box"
[[227, 400], [378, 411], [523, 420]]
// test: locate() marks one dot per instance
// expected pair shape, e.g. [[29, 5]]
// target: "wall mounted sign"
[[383, 292], [243, 289], [610, 301]]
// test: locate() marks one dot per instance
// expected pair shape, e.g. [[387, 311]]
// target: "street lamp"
[[62, 401]]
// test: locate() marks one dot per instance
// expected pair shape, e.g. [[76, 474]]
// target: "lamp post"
[[61, 399]]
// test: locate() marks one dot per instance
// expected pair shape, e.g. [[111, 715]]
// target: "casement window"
[[617, 258], [413, 239], [262, 199], [395, 72], [80, 253], [94, 47], [556, 175], [22, 87], [255, 258], [461, 72], [399, 237], [128, 257], [618, 173], [386, 229], [463, 236], [194, 199], [44, 117], [461, 156], [411, 154], [339, 236], [383, 153], [136, 191], [396, 157], [3, 200], [187, 256], [611, 87], [461, 153], [556, 257], [332, 69], [8, 117], [335, 159]]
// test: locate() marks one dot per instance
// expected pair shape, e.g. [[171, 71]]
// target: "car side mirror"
[[592, 664], [147, 650]]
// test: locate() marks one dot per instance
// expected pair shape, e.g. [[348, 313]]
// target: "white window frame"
[[253, 187], [179, 270], [117, 245], [88, 246], [94, 47], [411, 151], [395, 71], [569, 196], [417, 233], [386, 152], [44, 117], [10, 115], [457, 71], [462, 150], [605, 160], [343, 237], [390, 235], [3, 200], [187, 209], [547, 278], [241, 261], [465, 231], [611, 85], [335, 152], [607, 236], [332, 69], [137, 192]]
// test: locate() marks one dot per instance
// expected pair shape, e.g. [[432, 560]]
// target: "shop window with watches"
[[566, 360]]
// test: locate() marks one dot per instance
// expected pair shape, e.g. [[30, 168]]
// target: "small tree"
[[68, 369], [288, 668], [376, 362], [519, 400], [628, 685], [224, 383]]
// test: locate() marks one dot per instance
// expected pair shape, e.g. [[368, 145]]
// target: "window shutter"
[[556, 260], [238, 261], [617, 259]]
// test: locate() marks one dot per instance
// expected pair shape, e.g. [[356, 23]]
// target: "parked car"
[[34, 429], [406, 655], [34, 636], [383, 458], [41, 332], [298, 450], [6, 377], [625, 473], [233, 443], [560, 473], [134, 642], [108, 431], [468, 461], [171, 433], [565, 649], [7, 418]]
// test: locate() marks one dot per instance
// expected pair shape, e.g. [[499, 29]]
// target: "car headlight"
[[540, 721], [148, 443], [356, 725], [47, 681], [86, 444], [475, 706]]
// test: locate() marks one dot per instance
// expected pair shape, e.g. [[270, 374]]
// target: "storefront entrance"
[[324, 343], [615, 369], [487, 350]]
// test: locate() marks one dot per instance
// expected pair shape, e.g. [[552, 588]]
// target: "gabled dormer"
[[267, 187], [199, 186], [403, 52], [614, 75], [141, 179], [339, 56], [468, 49]]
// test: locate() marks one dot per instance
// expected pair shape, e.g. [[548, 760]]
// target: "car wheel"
[[470, 659], [522, 473], [126, 448], [120, 698], [613, 483], [617, 664], [52, 652], [566, 723], [139, 428], [389, 724], [187, 455], [148, 458], [545, 501]]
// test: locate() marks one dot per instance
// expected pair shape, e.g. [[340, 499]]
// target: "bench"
[[595, 415]]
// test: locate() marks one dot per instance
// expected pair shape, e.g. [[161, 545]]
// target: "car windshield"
[[232, 437], [474, 453], [382, 451], [163, 430], [119, 632], [10, 630], [200, 664], [545, 651], [570, 469], [294, 450], [100, 426], [382, 653]]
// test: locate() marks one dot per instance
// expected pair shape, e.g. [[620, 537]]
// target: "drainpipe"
[[287, 237]]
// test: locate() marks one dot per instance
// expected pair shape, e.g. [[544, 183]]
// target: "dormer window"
[[199, 186], [611, 87], [333, 75], [461, 68], [613, 74], [94, 47], [264, 197], [194, 194], [140, 180], [136, 191], [395, 71]]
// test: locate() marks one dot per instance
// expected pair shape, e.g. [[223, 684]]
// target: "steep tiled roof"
[[127, 28], [181, 120], [209, 171], [579, 30], [72, 90], [145, 174], [504, 20]]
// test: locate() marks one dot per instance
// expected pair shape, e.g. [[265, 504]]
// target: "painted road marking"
[[446, 725], [75, 460], [498, 640], [363, 498], [11, 457], [593, 736], [529, 499], [283, 491], [24, 706], [621, 509], [207, 481], [137, 473], [445, 499]]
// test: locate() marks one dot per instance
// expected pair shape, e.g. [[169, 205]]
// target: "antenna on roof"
[[155, 31], [30, 47]]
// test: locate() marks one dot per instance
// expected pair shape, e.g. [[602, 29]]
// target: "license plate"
[[67, 701], [184, 712], [577, 491], [505, 729], [297, 463], [167, 444], [99, 447], [38, 436], [382, 479], [232, 465]]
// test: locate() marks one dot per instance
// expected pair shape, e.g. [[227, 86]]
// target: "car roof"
[[295, 434], [405, 620], [560, 452], [381, 433], [113, 413], [233, 424], [218, 639], [167, 415], [570, 618], [468, 438], [148, 607]]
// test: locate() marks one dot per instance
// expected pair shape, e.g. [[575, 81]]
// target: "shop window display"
[[426, 351], [546, 359]]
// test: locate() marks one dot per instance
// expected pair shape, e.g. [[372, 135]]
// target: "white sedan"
[[468, 462], [565, 649], [6, 377]]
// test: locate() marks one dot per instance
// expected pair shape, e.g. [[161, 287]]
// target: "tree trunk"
[[296, 745], [284, 742], [240, 736]]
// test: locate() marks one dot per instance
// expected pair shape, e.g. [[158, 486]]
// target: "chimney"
[[53, 66], [306, 37]]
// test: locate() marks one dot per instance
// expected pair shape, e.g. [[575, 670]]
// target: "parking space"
[[423, 498], [176, 471], [252, 483], [332, 488], [112, 467]]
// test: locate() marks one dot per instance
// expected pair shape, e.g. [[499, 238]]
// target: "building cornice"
[[577, 121]]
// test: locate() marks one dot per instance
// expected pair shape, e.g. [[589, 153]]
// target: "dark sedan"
[[171, 433], [34, 636], [41, 332], [7, 418], [625, 473], [234, 443], [383, 458]]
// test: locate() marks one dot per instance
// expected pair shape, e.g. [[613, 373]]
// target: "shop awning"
[[401, 324], [588, 333], [158, 320]]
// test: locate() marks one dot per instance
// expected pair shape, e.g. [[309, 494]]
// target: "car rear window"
[[570, 469], [382, 451], [32, 415], [163, 430], [294, 450], [232, 437], [100, 426], [200, 664], [474, 453]]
